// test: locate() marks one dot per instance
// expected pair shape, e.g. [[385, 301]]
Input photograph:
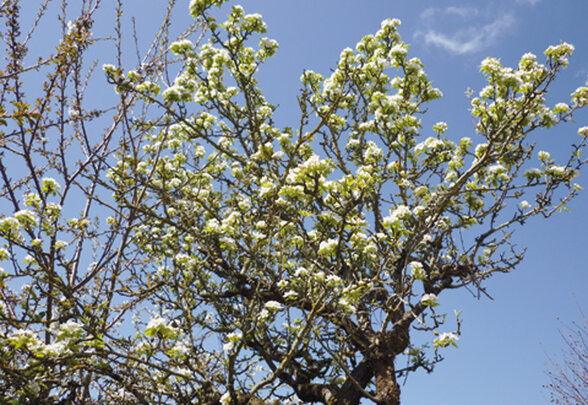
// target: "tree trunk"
[[387, 389], [390, 345], [349, 394]]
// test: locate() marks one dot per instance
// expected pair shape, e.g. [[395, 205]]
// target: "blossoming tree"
[[263, 263]]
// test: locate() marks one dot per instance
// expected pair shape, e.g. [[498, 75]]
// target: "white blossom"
[[71, 27], [429, 299], [70, 328], [156, 322], [228, 347], [181, 46], [398, 50], [532, 174], [445, 339], [480, 149], [213, 226], [440, 127], [301, 272], [273, 305], [181, 348], [417, 270], [543, 155], [225, 399], [53, 209], [57, 348], [60, 244], [561, 108], [525, 205], [327, 247], [400, 212], [429, 143], [291, 295], [268, 43], [263, 315], [31, 200], [26, 217], [50, 185], [392, 23], [560, 171]]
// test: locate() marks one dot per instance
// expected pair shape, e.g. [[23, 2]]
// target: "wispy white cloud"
[[451, 44], [428, 13], [530, 2], [469, 39], [582, 73], [465, 12]]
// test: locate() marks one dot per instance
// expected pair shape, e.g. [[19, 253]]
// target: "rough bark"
[[390, 345], [350, 394], [388, 391]]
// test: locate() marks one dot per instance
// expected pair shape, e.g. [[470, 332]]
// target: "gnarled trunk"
[[387, 389], [391, 344]]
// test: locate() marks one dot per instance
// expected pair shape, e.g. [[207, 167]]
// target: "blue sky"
[[501, 357], [502, 351]]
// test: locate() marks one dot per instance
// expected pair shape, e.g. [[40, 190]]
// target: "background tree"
[[258, 262], [569, 376], [65, 245]]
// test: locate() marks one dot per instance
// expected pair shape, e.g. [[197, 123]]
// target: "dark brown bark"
[[388, 391], [349, 394], [390, 345]]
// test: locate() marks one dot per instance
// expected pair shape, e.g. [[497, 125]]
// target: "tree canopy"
[[178, 246]]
